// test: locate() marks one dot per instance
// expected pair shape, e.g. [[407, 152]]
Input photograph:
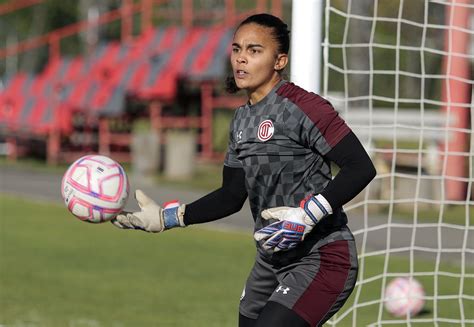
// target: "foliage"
[[391, 69], [35, 21]]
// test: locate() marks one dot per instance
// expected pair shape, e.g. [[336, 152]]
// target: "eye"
[[235, 50]]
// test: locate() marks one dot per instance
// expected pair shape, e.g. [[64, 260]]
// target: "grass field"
[[58, 271]]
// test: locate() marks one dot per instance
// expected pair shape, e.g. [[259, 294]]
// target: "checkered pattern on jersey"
[[284, 169]]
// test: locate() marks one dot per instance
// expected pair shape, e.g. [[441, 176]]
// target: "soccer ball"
[[95, 188], [404, 296]]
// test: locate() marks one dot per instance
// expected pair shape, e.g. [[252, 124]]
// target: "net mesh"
[[400, 74]]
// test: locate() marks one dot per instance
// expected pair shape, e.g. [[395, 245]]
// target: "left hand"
[[292, 226]]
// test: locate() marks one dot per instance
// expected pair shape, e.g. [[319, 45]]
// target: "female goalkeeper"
[[280, 147]]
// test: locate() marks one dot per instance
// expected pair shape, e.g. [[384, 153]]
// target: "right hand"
[[152, 218], [292, 224]]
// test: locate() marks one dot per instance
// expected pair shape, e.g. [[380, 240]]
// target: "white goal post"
[[401, 73]]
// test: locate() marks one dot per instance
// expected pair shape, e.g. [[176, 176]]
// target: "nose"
[[241, 59]]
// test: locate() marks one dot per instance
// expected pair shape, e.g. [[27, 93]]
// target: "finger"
[[266, 232], [117, 224], [135, 221], [122, 221], [274, 244], [123, 213], [142, 199], [273, 241], [285, 244], [275, 213]]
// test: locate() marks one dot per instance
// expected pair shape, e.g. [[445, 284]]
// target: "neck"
[[261, 92]]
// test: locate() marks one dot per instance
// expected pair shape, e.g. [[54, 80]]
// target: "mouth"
[[239, 73]]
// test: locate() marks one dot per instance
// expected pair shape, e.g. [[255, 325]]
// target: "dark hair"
[[280, 33], [279, 29]]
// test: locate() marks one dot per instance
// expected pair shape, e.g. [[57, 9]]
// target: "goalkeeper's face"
[[255, 60]]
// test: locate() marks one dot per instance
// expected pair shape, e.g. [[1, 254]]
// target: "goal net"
[[400, 73]]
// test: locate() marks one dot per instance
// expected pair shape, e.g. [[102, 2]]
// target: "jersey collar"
[[269, 97]]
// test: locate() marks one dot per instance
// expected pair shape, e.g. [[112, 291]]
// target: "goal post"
[[306, 52], [401, 74], [456, 93]]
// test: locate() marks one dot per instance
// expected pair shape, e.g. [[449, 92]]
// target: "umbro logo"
[[285, 290]]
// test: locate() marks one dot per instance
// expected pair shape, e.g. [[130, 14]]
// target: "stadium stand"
[[99, 84], [115, 70]]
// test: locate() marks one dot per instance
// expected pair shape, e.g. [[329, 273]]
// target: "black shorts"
[[315, 286]]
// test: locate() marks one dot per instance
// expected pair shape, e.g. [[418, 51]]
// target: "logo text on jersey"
[[265, 130]]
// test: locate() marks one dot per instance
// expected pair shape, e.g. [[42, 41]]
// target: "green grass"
[[33, 164], [207, 176], [58, 271], [452, 214], [446, 280]]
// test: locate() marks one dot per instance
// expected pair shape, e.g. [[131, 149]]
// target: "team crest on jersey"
[[265, 130]]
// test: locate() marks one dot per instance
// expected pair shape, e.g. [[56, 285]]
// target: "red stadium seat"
[[147, 68], [180, 52], [12, 100]]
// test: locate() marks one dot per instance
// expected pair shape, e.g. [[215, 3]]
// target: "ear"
[[281, 61]]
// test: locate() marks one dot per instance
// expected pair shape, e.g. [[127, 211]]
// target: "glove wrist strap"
[[317, 207], [173, 217]]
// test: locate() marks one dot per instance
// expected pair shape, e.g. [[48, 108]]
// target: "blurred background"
[[142, 81], [100, 72]]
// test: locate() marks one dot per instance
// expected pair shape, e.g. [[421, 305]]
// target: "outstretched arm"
[[221, 203]]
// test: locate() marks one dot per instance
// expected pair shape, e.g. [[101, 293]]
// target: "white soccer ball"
[[95, 188], [404, 296]]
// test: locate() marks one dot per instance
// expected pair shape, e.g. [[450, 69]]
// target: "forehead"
[[254, 34]]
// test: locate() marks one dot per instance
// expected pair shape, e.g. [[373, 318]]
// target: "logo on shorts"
[[285, 290], [265, 130]]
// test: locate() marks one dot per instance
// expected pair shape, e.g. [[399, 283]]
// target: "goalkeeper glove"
[[151, 218], [293, 223]]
